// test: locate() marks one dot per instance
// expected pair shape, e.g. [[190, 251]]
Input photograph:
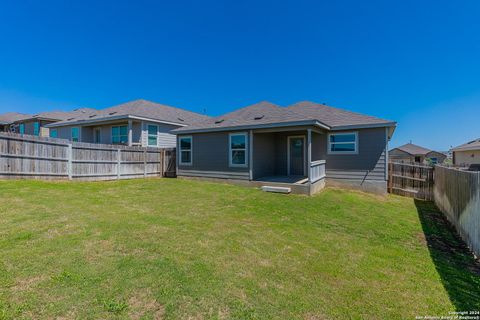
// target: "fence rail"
[[24, 156], [411, 180], [457, 195]]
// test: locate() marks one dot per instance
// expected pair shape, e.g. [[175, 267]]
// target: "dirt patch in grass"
[[141, 303], [27, 284]]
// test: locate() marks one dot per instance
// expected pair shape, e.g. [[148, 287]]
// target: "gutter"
[[258, 126]]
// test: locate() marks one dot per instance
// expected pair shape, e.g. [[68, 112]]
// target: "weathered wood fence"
[[411, 180], [457, 195], [23, 156]]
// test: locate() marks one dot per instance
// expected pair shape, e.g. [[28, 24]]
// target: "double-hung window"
[[238, 149], [186, 150], [75, 133], [152, 135], [119, 134], [36, 128], [343, 143], [53, 133]]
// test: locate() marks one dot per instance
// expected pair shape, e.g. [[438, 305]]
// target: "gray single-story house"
[[298, 148], [8, 119], [136, 123], [411, 153]]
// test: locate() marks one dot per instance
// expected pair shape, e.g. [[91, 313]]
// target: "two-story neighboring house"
[[135, 123], [7, 120], [36, 124]]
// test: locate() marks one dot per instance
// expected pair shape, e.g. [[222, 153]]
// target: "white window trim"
[[71, 134], [230, 135], [329, 144], [148, 135], [304, 154], [111, 133], [180, 151]]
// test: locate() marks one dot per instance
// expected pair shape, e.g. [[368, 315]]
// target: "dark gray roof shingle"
[[266, 113], [334, 117], [140, 108]]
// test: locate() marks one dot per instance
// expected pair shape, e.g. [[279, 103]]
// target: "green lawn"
[[176, 249]]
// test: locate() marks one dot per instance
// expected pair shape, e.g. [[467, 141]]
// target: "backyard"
[[178, 249]]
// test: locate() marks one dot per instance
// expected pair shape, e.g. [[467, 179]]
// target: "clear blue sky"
[[416, 62]]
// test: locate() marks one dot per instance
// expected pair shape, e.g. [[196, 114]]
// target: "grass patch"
[[176, 249]]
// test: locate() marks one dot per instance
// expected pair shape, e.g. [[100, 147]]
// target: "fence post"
[[163, 153], [69, 164], [119, 162], [145, 163]]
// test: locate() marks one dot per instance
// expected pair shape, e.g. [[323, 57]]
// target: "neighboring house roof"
[[11, 117], [138, 109], [267, 114], [59, 115], [472, 145], [413, 149]]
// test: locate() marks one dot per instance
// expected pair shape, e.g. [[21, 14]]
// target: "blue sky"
[[416, 62]]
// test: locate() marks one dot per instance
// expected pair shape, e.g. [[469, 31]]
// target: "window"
[[152, 135], [36, 128], [186, 150], [75, 134], [21, 128], [434, 160], [53, 133], [119, 135], [343, 143], [417, 159], [238, 150]]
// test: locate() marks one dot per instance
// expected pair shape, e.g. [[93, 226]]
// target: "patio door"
[[296, 156]]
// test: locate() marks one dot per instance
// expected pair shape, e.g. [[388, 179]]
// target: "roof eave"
[[366, 126], [248, 127], [104, 119]]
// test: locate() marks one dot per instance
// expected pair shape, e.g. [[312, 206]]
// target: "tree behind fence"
[[24, 156]]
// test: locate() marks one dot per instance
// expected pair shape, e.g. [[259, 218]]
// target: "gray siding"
[[210, 157], [264, 152], [139, 135], [368, 164]]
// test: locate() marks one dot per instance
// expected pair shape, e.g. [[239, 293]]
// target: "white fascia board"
[[258, 126]]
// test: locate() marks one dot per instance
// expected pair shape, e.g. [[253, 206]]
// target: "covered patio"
[[288, 158]]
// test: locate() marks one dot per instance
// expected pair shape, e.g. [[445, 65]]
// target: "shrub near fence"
[[24, 156], [457, 195]]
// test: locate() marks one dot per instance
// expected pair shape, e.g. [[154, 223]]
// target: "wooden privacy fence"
[[24, 156], [457, 195], [411, 180]]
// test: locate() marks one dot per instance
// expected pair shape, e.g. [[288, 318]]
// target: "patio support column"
[[309, 153], [129, 132], [250, 155]]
